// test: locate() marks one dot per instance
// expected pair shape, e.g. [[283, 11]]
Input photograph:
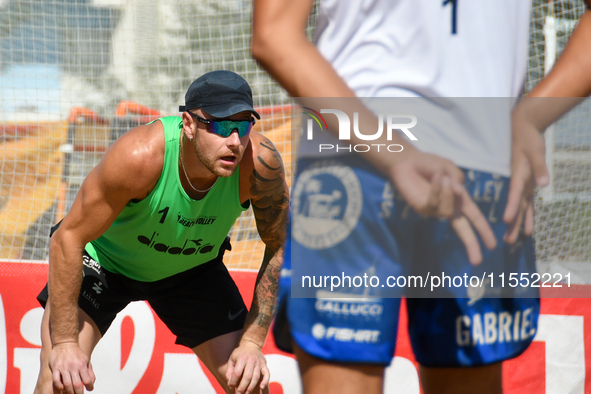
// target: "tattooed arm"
[[263, 177], [269, 198]]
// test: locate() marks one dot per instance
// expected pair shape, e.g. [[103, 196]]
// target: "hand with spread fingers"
[[434, 186]]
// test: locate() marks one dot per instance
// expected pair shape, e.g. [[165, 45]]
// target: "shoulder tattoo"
[[270, 195]]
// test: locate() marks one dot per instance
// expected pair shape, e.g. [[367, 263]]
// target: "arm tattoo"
[[270, 197], [263, 302], [270, 203], [268, 166]]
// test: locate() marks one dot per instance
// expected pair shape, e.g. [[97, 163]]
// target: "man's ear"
[[188, 125]]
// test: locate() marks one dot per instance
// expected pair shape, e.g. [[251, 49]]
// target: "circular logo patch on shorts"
[[326, 204]]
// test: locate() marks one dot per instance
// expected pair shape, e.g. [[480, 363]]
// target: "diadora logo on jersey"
[[201, 220], [327, 203], [190, 246], [319, 331]]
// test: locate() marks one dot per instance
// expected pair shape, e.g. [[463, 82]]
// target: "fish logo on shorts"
[[326, 205]]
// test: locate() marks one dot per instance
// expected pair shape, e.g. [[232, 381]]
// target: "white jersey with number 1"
[[436, 49]]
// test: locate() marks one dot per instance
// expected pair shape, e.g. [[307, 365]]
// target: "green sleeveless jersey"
[[168, 232]]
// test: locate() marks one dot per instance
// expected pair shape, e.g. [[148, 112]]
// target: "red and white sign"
[[138, 354]]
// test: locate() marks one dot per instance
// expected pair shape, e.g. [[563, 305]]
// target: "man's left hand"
[[247, 368]]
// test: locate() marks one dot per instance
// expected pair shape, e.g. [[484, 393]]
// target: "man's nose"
[[233, 139]]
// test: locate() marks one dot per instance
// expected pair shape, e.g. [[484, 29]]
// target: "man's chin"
[[224, 172]]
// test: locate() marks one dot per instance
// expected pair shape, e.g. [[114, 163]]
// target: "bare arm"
[[570, 76], [270, 201], [280, 45], [431, 185], [122, 175], [562, 89]]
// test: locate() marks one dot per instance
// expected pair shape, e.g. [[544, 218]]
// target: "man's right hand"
[[434, 186], [71, 368]]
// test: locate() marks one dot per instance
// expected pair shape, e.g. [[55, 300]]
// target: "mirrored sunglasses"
[[225, 127]]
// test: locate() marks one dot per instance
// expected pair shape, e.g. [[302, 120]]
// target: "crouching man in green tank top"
[[150, 223]]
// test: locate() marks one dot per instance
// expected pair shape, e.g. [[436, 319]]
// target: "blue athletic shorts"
[[353, 249]]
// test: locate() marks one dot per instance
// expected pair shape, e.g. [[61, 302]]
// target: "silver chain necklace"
[[185, 170]]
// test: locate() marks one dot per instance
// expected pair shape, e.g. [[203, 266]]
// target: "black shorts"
[[196, 305]]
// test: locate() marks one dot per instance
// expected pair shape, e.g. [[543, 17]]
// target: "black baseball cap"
[[220, 93]]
